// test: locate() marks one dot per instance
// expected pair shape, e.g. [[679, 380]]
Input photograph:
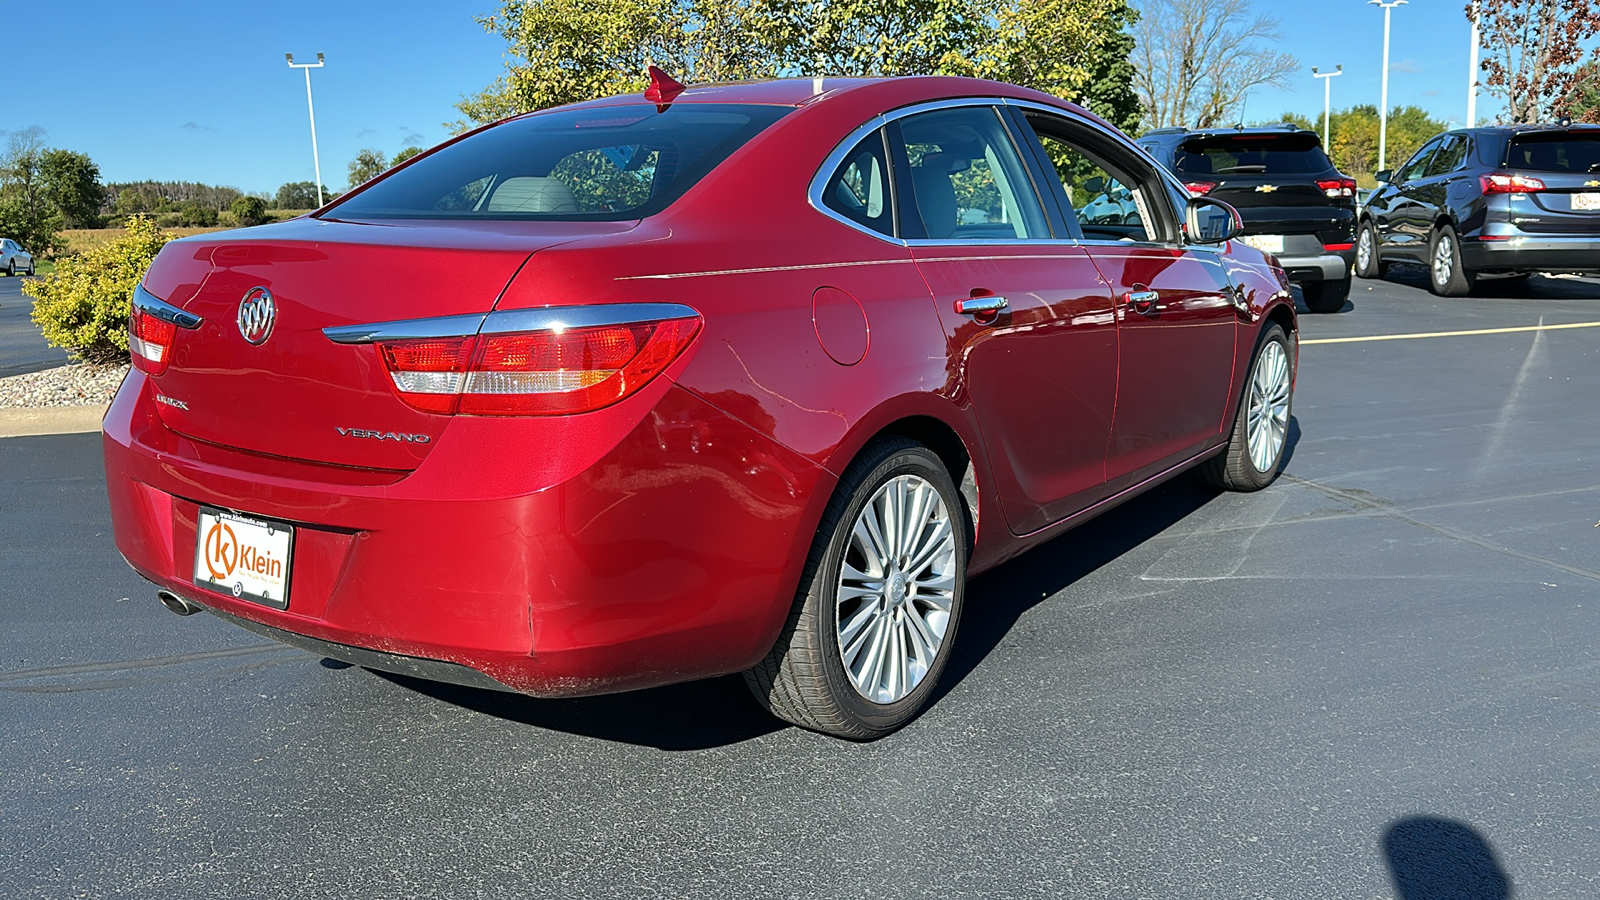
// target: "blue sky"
[[199, 91]]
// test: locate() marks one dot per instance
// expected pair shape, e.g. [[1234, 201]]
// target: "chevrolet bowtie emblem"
[[1267, 188], [1591, 184]]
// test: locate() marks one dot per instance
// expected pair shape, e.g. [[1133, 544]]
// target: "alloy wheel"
[[1364, 250], [896, 589], [1268, 422], [1444, 260]]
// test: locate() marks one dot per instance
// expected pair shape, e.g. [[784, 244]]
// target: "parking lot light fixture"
[[1383, 105], [316, 164], [1327, 110]]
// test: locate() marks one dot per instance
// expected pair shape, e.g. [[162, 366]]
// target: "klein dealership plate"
[[1266, 243], [246, 557]]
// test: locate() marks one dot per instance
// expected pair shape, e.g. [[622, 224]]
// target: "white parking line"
[[1437, 334]]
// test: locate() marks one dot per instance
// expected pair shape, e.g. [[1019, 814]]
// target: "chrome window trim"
[[548, 318], [831, 164], [150, 305]]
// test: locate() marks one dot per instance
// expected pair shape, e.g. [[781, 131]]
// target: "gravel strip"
[[74, 384]]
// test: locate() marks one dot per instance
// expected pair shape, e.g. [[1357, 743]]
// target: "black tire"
[[31, 266], [1326, 296], [11, 268], [1375, 267], [803, 679], [1233, 469], [1448, 278]]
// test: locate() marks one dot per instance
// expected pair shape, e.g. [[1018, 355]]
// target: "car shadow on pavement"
[[1431, 858], [696, 715], [1532, 287], [997, 599], [716, 712]]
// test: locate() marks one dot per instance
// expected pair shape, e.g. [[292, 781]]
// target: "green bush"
[[250, 210], [83, 305], [195, 214]]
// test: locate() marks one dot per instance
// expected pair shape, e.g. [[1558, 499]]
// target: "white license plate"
[[1585, 201], [1267, 243], [246, 557]]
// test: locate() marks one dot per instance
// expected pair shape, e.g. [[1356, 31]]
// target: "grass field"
[[80, 240]]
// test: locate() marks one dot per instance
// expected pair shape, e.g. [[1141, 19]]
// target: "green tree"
[[131, 201], [564, 51], [72, 183], [26, 213], [404, 155], [250, 210], [367, 165], [83, 305], [300, 195], [195, 214]]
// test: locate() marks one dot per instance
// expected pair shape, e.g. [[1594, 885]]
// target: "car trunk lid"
[[297, 394]]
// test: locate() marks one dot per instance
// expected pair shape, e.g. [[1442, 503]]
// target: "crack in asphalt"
[[148, 663]]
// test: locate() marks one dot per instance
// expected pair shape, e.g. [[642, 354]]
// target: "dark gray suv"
[[1505, 200], [1295, 204]]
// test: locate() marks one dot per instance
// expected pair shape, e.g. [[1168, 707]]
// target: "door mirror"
[[1095, 185], [1384, 175], [1209, 221]]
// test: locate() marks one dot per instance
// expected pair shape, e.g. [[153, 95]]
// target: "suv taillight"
[[1501, 183], [1199, 188], [1338, 187], [150, 341], [534, 373]]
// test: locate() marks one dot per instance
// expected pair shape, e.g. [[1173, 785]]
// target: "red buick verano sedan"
[[734, 378]]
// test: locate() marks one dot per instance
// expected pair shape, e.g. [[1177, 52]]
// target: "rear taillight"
[[549, 371], [1199, 188], [1501, 183], [150, 341], [1337, 187]]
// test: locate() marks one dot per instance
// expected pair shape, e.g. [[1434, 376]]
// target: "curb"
[[51, 420]]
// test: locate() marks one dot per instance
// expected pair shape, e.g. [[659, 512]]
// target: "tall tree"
[[72, 183], [301, 195], [367, 165], [562, 51], [1196, 60], [404, 155], [26, 213], [1536, 50]]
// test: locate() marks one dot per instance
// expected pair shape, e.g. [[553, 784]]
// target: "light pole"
[[1383, 108], [316, 164], [1327, 109], [1472, 73]]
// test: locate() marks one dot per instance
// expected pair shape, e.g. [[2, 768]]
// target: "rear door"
[[1040, 372], [1176, 321], [1567, 163]]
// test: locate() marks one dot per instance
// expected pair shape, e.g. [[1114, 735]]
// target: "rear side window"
[[1449, 157], [1556, 151], [1251, 154], [618, 162], [859, 190], [968, 181]]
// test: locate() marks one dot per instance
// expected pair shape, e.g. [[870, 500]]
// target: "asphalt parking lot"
[[21, 349], [1378, 676]]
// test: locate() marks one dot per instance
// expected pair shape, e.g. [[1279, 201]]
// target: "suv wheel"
[[1368, 263], [1326, 296], [1447, 276], [879, 599]]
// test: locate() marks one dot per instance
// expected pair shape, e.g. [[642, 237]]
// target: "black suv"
[[1506, 200], [1294, 203]]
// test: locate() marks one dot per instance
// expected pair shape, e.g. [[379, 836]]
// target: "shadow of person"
[[1439, 859]]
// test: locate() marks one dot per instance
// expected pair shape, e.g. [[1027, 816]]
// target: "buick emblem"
[[257, 314]]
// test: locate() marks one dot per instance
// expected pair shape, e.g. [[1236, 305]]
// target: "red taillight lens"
[[1501, 183], [150, 341], [1337, 187], [1199, 188], [534, 373]]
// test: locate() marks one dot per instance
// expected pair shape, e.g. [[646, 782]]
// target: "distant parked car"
[[1503, 200], [1295, 204], [14, 259]]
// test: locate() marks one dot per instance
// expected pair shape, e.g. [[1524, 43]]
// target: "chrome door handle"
[[974, 306], [1143, 302]]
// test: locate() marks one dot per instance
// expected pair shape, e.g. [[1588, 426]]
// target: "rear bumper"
[[1533, 254], [1324, 267], [661, 543]]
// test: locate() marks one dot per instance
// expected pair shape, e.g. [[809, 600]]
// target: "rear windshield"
[[1557, 151], [1252, 154], [617, 162]]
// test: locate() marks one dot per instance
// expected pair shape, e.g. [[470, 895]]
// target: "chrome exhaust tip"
[[179, 605]]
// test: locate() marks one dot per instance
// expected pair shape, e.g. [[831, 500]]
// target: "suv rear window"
[[1556, 151], [615, 162], [1251, 154]]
